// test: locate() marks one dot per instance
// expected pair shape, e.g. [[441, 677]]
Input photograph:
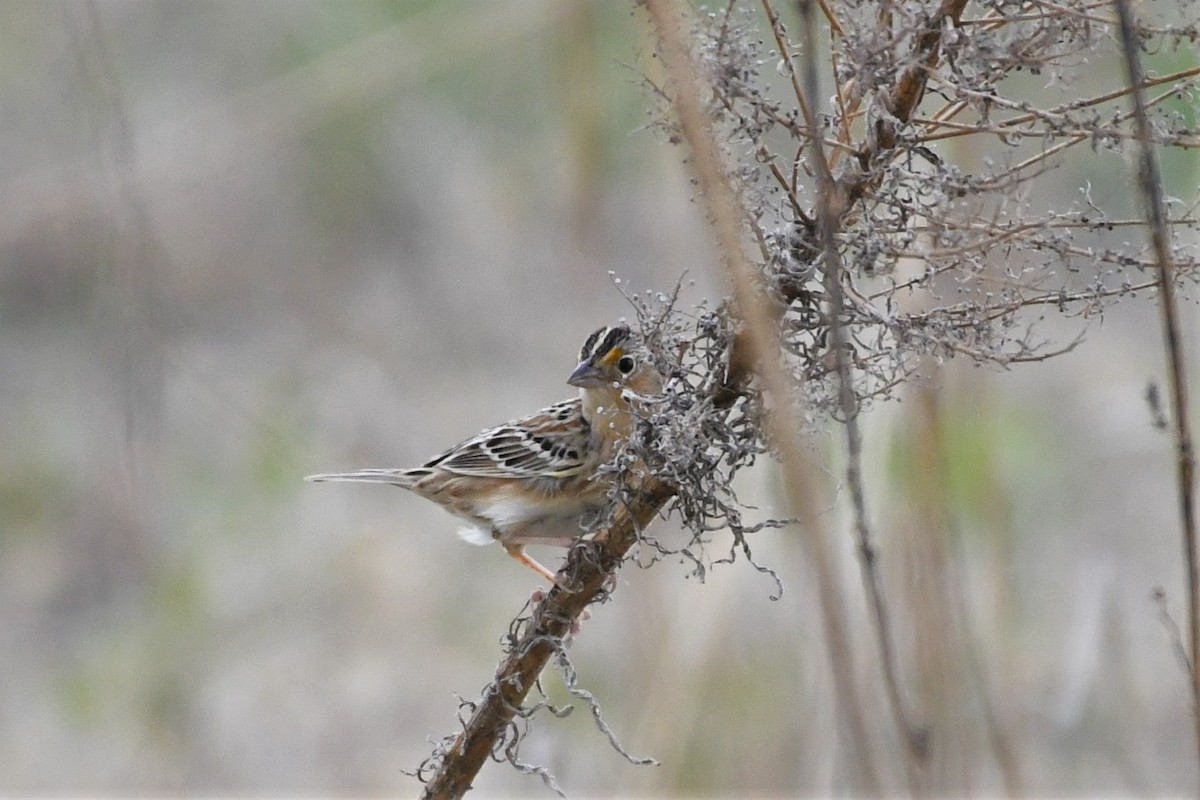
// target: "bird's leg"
[[517, 551]]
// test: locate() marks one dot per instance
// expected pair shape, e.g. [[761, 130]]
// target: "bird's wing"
[[551, 443]]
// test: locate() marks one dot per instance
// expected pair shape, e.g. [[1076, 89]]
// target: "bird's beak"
[[586, 376]]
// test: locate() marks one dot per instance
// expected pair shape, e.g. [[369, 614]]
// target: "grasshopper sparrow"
[[534, 480]]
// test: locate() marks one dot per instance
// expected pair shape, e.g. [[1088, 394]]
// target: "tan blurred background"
[[245, 242]]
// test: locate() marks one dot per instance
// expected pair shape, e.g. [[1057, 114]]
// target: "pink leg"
[[517, 551]]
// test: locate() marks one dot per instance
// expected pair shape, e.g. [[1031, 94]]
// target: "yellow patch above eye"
[[611, 357]]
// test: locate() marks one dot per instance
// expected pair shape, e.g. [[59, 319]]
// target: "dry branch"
[[829, 213], [1150, 182], [807, 331], [589, 565], [762, 341]]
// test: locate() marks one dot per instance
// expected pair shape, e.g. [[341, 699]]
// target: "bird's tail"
[[396, 477]]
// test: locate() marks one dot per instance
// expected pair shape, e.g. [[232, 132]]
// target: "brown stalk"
[[786, 55], [903, 99], [829, 212], [759, 347], [834, 200], [1150, 182], [1057, 113], [588, 566]]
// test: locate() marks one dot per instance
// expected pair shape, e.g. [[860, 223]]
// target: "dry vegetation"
[[874, 173], [909, 504]]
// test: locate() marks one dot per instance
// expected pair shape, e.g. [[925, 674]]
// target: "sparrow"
[[537, 479]]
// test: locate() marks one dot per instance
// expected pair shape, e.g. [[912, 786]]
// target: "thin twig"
[[1058, 114], [760, 348], [1171, 628], [829, 212], [1185, 464], [785, 53], [835, 27]]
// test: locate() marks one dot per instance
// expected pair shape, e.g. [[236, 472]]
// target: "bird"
[[537, 479]]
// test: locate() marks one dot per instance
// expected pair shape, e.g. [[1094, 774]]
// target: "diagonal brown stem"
[[588, 566]]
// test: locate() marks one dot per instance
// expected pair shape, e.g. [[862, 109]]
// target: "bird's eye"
[[626, 364]]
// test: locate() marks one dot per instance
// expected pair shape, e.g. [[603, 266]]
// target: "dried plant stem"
[[904, 97], [588, 566], [829, 212], [1009, 125], [786, 55], [1185, 463], [761, 344]]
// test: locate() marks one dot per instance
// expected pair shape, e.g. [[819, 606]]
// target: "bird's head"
[[612, 358]]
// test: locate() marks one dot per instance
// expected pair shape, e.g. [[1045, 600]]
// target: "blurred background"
[[246, 242]]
